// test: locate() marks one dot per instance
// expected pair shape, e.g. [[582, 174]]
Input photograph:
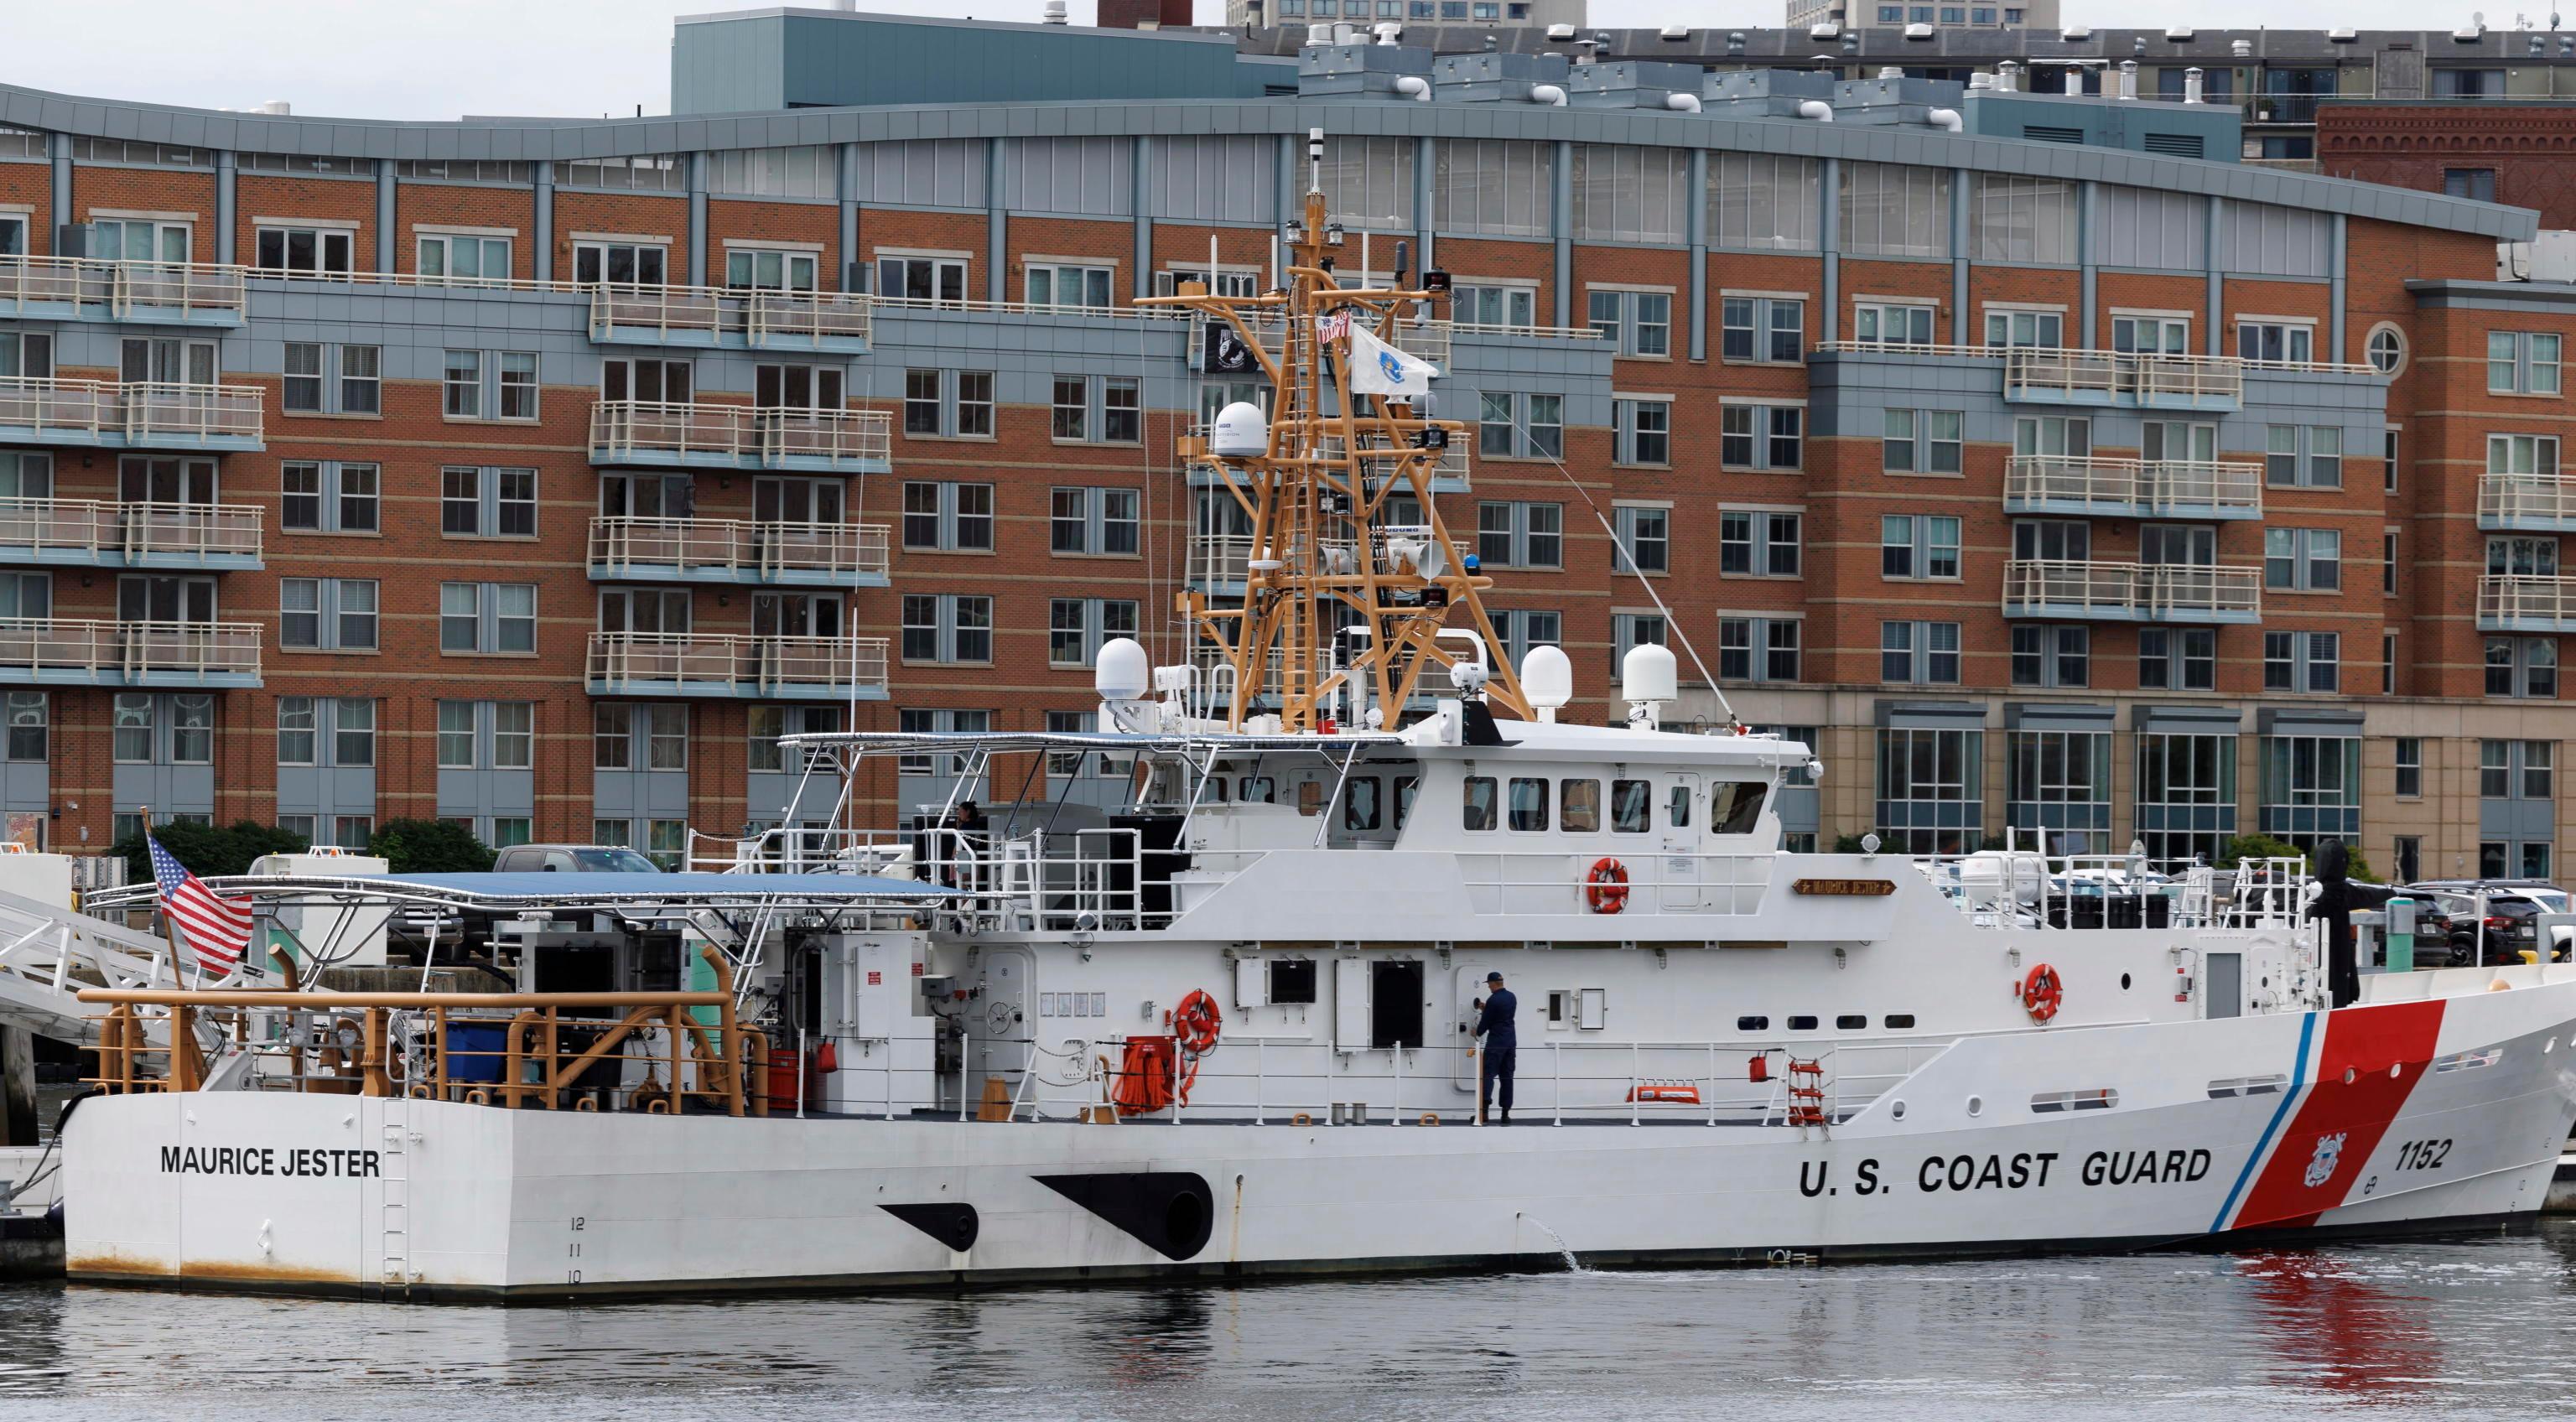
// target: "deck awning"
[[622, 893]]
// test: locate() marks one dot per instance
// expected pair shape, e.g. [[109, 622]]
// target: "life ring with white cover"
[[1606, 887], [2042, 993], [1196, 1023]]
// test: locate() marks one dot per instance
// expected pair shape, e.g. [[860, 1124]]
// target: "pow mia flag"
[[1222, 351]]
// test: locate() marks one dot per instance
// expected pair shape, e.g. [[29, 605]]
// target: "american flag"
[[217, 929]]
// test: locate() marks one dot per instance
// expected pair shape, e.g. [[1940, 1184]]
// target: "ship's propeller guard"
[[2042, 993]]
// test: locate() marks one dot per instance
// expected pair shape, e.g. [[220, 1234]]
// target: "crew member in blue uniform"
[[1502, 1042]]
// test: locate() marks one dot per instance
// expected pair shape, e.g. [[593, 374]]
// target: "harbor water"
[[2462, 1328]]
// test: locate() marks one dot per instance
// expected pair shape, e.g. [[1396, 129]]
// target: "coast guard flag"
[[217, 928], [1380, 369]]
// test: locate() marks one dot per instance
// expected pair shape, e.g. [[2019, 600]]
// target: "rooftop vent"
[[1824, 31], [280, 107], [2244, 48], [1055, 12], [2076, 34], [2343, 36], [1560, 32], [1918, 31], [1676, 32], [2179, 34]]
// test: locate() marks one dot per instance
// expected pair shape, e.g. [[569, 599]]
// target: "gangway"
[[48, 954]]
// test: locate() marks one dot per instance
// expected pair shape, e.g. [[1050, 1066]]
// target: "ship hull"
[[2374, 1120]]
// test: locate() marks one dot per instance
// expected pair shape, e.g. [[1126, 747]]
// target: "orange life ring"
[[1606, 887], [1196, 1021], [2042, 993]]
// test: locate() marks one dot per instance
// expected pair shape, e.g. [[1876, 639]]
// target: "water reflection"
[[2418, 1330]]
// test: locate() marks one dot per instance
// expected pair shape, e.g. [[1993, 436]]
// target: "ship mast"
[[1317, 497]]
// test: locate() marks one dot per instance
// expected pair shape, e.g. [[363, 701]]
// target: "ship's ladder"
[[1807, 1094], [393, 1184]]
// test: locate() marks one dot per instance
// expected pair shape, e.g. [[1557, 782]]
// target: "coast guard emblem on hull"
[[2321, 1166]]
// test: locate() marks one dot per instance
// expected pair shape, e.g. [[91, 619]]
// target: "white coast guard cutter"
[[1223, 1026]]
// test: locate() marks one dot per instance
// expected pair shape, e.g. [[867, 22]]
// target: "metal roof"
[[530, 141]]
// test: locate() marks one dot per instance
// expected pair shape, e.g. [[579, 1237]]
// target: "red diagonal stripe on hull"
[[2366, 1042]]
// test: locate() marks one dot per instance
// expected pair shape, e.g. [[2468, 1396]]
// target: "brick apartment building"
[[2044, 484]]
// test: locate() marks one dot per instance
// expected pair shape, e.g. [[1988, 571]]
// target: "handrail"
[[140, 529], [737, 545], [736, 661], [129, 649], [2131, 587], [137, 411], [2130, 486], [764, 435], [2132, 359], [2524, 597], [2508, 499], [121, 286]]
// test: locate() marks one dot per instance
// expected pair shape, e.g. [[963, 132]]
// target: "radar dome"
[[1649, 673], [1241, 431], [1547, 679], [1123, 671]]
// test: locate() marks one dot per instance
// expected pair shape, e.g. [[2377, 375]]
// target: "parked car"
[[2511, 925], [572, 859]]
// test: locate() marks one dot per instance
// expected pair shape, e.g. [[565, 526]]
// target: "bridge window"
[[1802, 1024], [1529, 804], [1258, 790], [1753, 1024], [1480, 802], [1899, 1021], [1582, 806], [1852, 1022], [1359, 803], [1632, 806], [1739, 806]]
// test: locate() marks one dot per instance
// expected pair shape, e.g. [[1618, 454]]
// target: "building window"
[[29, 737], [2276, 342], [1757, 543], [940, 280], [2522, 557], [2311, 789], [2522, 667], [766, 724], [464, 385], [1769, 330], [921, 402], [2044, 330], [518, 382], [633, 264], [1645, 539], [301, 393], [327, 614], [2388, 459], [2475, 184], [2015, 219], [2186, 808], [464, 260], [1509, 308], [2522, 454], [344, 728], [1635, 323], [948, 518], [1931, 789], [353, 733], [1761, 436], [2051, 656], [2410, 768], [2388, 663], [302, 249], [2522, 363], [1643, 431], [2386, 349], [1094, 521], [765, 269], [327, 496], [1072, 408], [1076, 626], [1521, 426], [947, 627], [1520, 535], [2302, 559], [2303, 456], [1924, 442], [1757, 648], [1895, 210], [487, 503], [2388, 563], [1918, 546], [1919, 653], [1071, 286], [2178, 659], [2059, 783], [1520, 629], [487, 618], [1881, 323], [2301, 661]]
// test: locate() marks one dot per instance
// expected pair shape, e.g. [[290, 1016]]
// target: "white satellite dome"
[[1123, 672], [1547, 679], [1241, 431], [1649, 673]]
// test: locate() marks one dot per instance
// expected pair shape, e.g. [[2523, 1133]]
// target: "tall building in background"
[[2051, 470], [1977, 15]]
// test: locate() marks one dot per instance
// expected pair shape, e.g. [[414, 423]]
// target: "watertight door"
[[2223, 995], [1466, 990], [1350, 1004], [1003, 1021]]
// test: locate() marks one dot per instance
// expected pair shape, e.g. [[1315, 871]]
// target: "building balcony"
[[2133, 488], [108, 415], [147, 293], [741, 437], [692, 550], [2123, 379], [714, 317], [94, 533], [188, 655], [2527, 503], [2527, 603], [738, 665], [2086, 590]]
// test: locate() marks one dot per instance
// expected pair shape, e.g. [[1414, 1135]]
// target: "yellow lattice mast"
[[1317, 497]]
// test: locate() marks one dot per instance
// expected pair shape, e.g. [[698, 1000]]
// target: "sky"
[[374, 59]]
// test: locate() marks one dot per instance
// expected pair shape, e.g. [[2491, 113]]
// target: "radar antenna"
[[1328, 568]]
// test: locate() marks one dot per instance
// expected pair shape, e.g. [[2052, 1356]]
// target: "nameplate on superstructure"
[[1844, 888]]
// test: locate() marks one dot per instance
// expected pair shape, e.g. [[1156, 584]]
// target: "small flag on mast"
[[1380, 369], [217, 929]]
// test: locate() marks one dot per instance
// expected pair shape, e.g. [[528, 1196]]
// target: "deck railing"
[[2081, 585], [2527, 598], [44, 646], [734, 663], [2526, 500], [737, 546], [119, 286], [2131, 487], [628, 429], [151, 412], [134, 531]]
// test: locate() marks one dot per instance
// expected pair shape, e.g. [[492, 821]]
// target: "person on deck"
[[1502, 1042]]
